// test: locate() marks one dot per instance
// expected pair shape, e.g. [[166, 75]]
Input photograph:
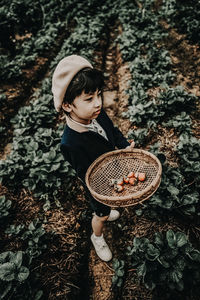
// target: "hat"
[[65, 71]]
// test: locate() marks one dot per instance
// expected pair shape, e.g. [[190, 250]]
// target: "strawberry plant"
[[38, 163], [168, 261], [16, 276], [184, 15], [29, 119], [5, 205], [118, 266], [181, 122], [173, 196], [188, 150], [12, 271], [34, 236], [173, 100], [29, 30], [139, 135]]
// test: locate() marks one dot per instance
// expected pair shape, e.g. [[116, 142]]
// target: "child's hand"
[[131, 146]]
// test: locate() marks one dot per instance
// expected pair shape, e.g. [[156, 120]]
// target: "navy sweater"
[[81, 149]]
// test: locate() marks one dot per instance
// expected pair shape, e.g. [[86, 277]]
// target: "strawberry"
[[141, 176], [133, 181], [130, 175], [120, 181], [126, 179], [119, 188]]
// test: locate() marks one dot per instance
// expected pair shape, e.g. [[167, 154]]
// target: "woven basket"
[[115, 164]]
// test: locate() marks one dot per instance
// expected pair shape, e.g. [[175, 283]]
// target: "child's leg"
[[98, 223], [97, 238]]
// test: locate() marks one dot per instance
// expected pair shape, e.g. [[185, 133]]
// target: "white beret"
[[65, 71]]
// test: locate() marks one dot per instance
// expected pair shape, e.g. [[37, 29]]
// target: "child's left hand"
[[131, 146]]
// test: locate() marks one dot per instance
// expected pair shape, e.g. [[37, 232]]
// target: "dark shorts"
[[100, 209]]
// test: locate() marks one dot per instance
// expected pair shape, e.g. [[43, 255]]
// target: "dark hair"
[[87, 80]]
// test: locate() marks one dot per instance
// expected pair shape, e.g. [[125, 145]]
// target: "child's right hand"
[[131, 146]]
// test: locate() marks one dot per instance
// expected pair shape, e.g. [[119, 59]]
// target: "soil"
[[186, 64]]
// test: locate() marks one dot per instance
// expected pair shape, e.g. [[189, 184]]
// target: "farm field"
[[149, 53]]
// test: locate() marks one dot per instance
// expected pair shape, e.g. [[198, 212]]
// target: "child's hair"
[[87, 80]]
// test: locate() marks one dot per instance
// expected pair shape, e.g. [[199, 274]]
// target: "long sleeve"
[[77, 159], [119, 140]]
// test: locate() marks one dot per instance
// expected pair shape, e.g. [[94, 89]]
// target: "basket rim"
[[127, 197]]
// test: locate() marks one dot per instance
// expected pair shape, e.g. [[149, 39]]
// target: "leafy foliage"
[[173, 196], [144, 110], [138, 135], [174, 100], [11, 267], [16, 276], [118, 266], [35, 237], [184, 15], [36, 163], [169, 261], [5, 205], [30, 118], [29, 30], [181, 122], [188, 150]]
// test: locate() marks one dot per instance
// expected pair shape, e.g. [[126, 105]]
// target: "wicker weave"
[[115, 164]]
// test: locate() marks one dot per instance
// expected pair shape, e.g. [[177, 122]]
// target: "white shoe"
[[114, 215], [101, 247]]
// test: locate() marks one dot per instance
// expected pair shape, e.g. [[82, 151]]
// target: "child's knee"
[[101, 219]]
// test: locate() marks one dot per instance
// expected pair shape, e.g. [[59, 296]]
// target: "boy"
[[77, 89]]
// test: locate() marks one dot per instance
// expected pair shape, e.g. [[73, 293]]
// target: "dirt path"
[[186, 64]]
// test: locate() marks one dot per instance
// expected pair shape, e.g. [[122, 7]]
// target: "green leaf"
[[7, 271], [152, 253], [158, 238], [47, 205], [23, 274], [114, 279], [141, 270], [17, 259], [173, 190], [4, 256], [163, 262], [171, 239], [31, 226], [120, 273], [116, 263], [119, 283], [181, 239], [38, 295], [194, 255], [176, 275]]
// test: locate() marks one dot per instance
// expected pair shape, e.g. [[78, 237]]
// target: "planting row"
[[35, 162], [173, 108], [29, 31], [184, 15]]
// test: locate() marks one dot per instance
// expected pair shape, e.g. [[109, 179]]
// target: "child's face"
[[85, 107]]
